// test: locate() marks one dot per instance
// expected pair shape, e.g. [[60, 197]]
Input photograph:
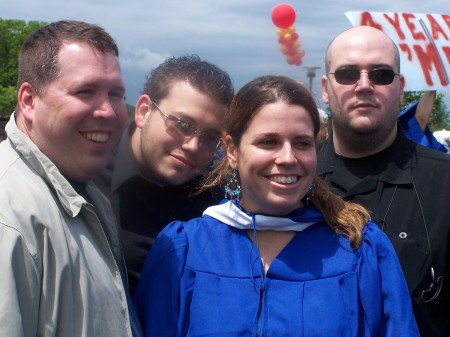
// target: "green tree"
[[439, 118], [12, 35], [8, 99]]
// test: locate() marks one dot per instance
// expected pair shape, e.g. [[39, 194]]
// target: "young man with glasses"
[[367, 159], [176, 133]]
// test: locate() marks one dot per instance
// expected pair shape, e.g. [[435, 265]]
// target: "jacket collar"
[[70, 200]]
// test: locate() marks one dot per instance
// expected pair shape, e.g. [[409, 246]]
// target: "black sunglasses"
[[348, 76]]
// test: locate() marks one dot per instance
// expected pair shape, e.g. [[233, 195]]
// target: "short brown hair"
[[38, 57]]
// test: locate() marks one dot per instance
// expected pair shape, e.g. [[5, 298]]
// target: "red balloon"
[[283, 15], [298, 61], [282, 40]]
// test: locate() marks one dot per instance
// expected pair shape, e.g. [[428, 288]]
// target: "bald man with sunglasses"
[[367, 159]]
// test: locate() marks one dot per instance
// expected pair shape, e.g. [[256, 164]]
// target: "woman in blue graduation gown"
[[283, 256]]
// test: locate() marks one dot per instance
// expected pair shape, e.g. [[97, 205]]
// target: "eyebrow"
[[276, 135], [371, 66], [183, 116]]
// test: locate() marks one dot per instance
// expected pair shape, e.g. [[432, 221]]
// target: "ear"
[[324, 82], [232, 152], [26, 101], [142, 110]]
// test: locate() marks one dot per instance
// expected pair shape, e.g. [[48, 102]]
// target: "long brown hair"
[[343, 217]]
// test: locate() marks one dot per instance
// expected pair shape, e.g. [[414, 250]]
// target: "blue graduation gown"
[[412, 129], [203, 278]]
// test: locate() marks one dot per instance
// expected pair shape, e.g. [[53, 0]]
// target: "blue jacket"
[[410, 126]]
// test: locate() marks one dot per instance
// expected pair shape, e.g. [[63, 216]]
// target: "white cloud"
[[140, 58], [237, 35]]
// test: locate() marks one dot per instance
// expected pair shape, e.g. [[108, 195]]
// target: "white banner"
[[423, 41]]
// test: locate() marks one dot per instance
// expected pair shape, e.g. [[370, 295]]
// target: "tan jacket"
[[59, 273]]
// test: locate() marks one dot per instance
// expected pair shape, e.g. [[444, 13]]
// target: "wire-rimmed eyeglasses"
[[349, 76], [207, 141]]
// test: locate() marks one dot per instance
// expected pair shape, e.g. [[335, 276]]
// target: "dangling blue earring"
[[310, 193], [232, 187]]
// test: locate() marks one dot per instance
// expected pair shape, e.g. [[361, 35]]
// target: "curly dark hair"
[[202, 75]]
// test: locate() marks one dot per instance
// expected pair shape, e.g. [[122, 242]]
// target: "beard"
[[364, 132], [363, 138]]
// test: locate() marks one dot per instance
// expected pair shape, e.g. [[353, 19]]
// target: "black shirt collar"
[[392, 165]]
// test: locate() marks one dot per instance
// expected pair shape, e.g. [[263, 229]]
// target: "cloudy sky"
[[237, 35]]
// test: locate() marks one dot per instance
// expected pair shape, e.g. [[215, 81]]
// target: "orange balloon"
[[284, 49], [290, 29]]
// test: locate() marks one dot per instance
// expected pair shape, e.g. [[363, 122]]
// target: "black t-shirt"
[[145, 209]]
